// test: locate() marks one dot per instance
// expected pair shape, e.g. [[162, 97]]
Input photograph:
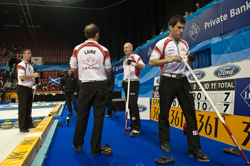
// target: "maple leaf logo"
[[90, 61], [36, 59]]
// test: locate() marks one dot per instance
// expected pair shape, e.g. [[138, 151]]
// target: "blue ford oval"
[[158, 80], [199, 74], [142, 108], [227, 71]]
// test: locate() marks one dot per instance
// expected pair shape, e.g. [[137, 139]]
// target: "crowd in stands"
[[187, 13], [6, 50], [8, 79]]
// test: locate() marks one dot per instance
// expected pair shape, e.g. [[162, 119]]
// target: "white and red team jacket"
[[25, 68], [135, 71], [167, 48], [91, 59]]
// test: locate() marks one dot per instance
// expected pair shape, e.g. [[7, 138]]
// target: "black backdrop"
[[134, 21]]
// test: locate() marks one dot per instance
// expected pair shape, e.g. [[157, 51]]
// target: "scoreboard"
[[228, 86], [221, 92]]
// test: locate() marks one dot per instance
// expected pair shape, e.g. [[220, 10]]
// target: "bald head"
[[128, 48]]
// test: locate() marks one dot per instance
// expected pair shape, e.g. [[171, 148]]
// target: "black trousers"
[[24, 107], [133, 105], [70, 97], [110, 104], [95, 92], [169, 89]]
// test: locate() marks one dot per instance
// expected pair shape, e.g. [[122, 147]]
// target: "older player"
[[136, 65], [25, 75]]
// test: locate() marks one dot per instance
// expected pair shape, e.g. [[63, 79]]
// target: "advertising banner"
[[146, 52], [144, 108], [221, 18], [118, 68]]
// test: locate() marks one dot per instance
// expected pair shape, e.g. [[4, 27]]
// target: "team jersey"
[[91, 59], [167, 48], [135, 71], [25, 68]]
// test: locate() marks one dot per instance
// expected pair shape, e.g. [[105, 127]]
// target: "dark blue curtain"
[[203, 59]]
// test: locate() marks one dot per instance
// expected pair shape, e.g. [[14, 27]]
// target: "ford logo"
[[158, 80], [227, 71], [142, 108], [199, 74]]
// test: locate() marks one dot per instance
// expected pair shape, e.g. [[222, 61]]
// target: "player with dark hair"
[[92, 61], [168, 54]]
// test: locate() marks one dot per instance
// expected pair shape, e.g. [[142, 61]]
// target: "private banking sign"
[[221, 18]]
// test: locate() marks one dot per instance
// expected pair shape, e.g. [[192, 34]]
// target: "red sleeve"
[[157, 50], [20, 67], [74, 54], [139, 59], [107, 55]]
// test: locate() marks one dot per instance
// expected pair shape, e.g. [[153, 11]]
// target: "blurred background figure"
[[110, 104], [197, 6], [3, 96]]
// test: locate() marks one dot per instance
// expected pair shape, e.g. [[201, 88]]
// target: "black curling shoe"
[[200, 156]]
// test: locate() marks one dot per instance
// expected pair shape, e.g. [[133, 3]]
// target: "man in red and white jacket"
[[93, 62], [168, 54], [25, 75], [136, 65]]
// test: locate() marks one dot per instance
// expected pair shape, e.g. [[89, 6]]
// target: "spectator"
[[53, 85], [3, 96], [3, 75], [197, 6], [19, 49], [41, 74], [71, 88], [14, 85], [13, 99], [186, 15], [7, 74], [12, 75], [44, 85], [110, 104], [40, 85], [1, 83]]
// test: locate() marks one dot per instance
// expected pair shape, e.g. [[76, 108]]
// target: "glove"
[[191, 58], [131, 62]]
